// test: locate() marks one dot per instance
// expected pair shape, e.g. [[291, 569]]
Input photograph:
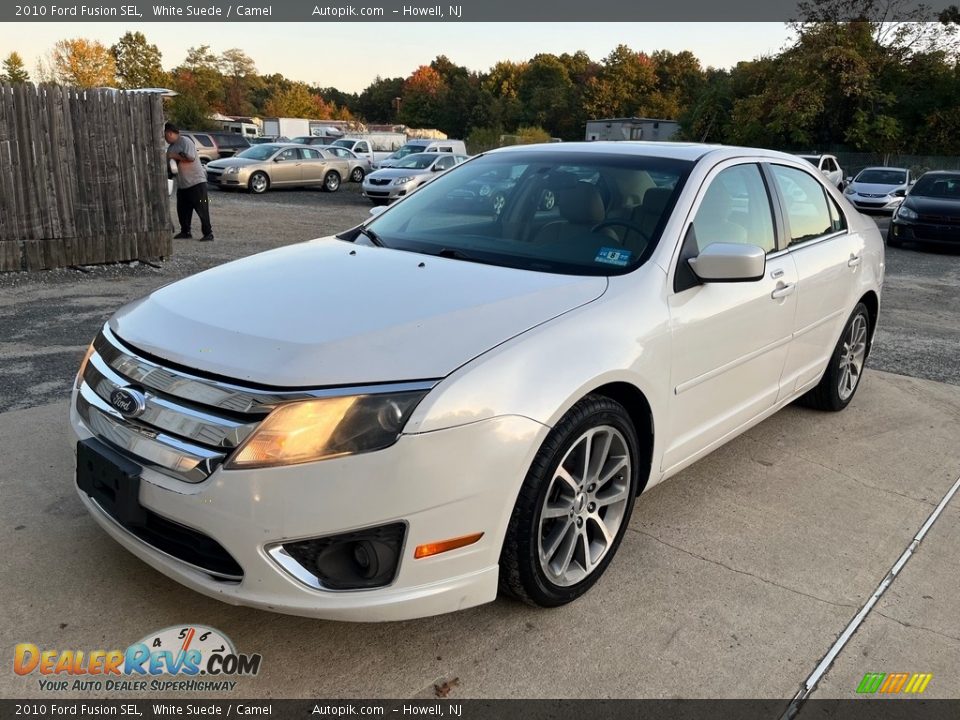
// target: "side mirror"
[[848, 179], [376, 210], [437, 168], [278, 159], [729, 262]]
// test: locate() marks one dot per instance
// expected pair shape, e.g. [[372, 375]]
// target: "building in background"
[[631, 128]]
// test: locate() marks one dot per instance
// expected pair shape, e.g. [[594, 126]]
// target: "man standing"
[[191, 183]]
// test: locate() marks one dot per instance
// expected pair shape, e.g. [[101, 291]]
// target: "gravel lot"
[[47, 318]]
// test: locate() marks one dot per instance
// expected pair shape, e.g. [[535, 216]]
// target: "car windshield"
[[938, 186], [258, 152], [420, 161], [303, 139], [880, 176], [407, 150], [563, 212]]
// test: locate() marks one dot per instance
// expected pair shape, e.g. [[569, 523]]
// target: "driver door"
[[729, 339], [286, 167]]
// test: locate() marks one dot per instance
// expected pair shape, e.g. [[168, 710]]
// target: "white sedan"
[[460, 397]]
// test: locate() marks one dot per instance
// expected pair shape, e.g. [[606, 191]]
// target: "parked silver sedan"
[[388, 184], [260, 167], [360, 167], [880, 189]]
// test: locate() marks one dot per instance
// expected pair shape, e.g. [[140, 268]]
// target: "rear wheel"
[[357, 175], [331, 181], [574, 506], [842, 377]]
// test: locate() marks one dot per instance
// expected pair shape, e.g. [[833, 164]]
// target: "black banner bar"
[[322, 11], [455, 709]]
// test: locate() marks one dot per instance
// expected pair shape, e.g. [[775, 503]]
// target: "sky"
[[350, 56]]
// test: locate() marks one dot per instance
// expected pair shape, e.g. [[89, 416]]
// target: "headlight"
[[231, 171], [906, 213], [402, 180], [899, 193], [849, 191], [83, 367], [318, 429]]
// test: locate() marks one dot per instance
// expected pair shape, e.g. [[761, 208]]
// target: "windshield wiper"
[[371, 235]]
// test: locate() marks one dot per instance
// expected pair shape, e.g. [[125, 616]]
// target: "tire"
[[258, 183], [828, 395], [331, 181], [578, 507], [891, 240], [357, 175]]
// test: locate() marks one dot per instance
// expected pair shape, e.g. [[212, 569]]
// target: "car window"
[[446, 149], [289, 154], [204, 140], [736, 209], [311, 154], [806, 204], [838, 220], [361, 147], [829, 165], [445, 163]]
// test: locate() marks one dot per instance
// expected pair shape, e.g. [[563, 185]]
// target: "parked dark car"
[[930, 213], [216, 145]]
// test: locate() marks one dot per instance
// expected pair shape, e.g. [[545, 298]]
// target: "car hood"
[[390, 173], [234, 162], [875, 189], [328, 312], [933, 206]]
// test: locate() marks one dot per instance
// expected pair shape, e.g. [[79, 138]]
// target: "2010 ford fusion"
[[467, 393]]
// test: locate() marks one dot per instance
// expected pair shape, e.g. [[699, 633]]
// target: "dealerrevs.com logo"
[[185, 658]]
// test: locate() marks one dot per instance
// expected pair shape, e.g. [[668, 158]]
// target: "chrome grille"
[[190, 424]]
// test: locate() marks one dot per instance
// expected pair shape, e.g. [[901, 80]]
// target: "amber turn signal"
[[443, 546]]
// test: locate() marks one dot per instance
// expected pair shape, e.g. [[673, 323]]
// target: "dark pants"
[[192, 199]]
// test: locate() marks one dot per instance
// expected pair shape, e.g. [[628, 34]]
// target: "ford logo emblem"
[[128, 402]]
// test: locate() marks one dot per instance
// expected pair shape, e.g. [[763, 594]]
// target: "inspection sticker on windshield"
[[613, 256]]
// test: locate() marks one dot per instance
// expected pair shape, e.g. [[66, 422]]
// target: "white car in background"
[[392, 183], [829, 166], [879, 189], [458, 398]]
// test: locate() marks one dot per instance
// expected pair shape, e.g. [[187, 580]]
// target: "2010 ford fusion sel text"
[[467, 393]]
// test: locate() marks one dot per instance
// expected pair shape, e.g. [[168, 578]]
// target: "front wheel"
[[574, 506], [258, 183], [331, 181], [842, 376]]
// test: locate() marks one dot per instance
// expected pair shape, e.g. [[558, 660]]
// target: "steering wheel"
[[629, 224]]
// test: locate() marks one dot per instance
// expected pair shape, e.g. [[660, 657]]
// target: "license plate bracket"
[[112, 480]]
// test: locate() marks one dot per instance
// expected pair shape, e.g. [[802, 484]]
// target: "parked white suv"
[[463, 396], [829, 166]]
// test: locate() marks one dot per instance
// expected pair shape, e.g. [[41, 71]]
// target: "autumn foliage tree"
[[83, 63]]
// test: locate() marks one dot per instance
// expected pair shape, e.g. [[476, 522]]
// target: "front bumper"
[[914, 231], [224, 180], [885, 204], [442, 484], [388, 192]]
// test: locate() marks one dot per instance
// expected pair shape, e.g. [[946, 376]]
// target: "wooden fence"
[[82, 177]]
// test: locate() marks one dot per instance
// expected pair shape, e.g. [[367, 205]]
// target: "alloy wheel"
[[852, 355], [584, 505]]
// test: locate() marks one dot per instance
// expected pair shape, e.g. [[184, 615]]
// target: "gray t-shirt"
[[188, 173]]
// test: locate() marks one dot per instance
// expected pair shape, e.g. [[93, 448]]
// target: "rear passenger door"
[[314, 165], [826, 255]]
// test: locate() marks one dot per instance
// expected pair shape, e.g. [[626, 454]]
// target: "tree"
[[546, 93], [14, 71], [239, 78], [298, 102], [137, 62], [423, 94], [378, 101], [83, 63], [623, 86]]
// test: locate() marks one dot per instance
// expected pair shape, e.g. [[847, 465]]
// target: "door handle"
[[783, 290], [853, 261]]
